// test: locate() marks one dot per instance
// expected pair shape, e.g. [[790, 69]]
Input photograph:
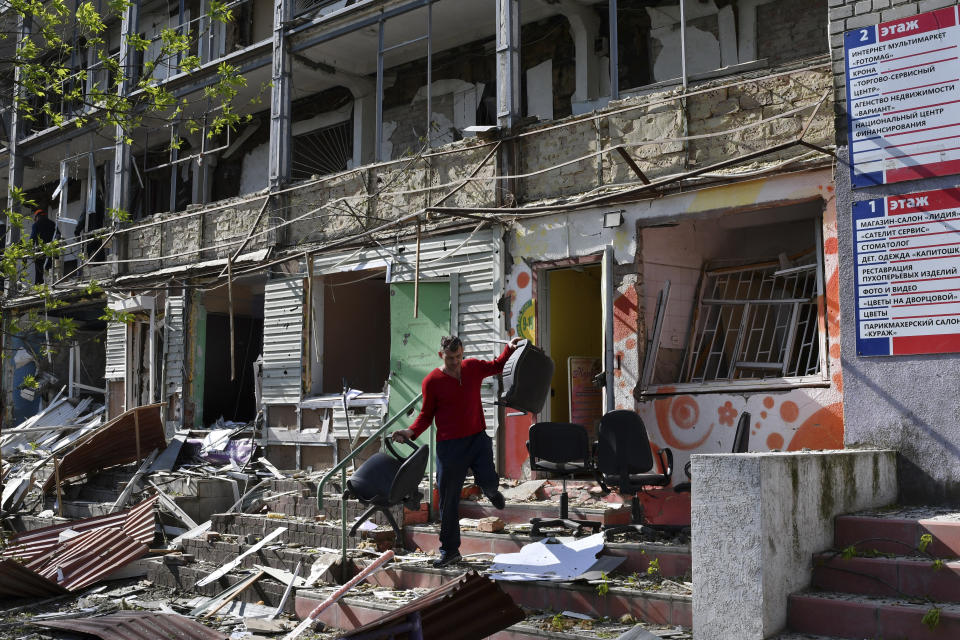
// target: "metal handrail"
[[342, 468]]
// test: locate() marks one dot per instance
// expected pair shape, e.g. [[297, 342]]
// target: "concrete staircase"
[[889, 576], [308, 535], [95, 495]]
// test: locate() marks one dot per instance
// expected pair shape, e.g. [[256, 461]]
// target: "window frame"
[[820, 379]]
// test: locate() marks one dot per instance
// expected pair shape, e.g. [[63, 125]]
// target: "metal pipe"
[[339, 593], [614, 52], [683, 45], [70, 375], [379, 98], [403, 44], [342, 465], [429, 37], [153, 358]]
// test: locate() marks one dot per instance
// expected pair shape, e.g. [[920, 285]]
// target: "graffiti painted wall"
[[699, 420]]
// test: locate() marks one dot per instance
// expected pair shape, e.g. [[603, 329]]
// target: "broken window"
[[756, 321], [734, 300], [716, 35]]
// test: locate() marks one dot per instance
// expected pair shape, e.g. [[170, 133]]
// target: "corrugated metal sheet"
[[16, 581], [469, 607], [282, 341], [475, 259], [138, 522], [114, 443], [137, 625], [116, 368], [82, 560], [174, 345]]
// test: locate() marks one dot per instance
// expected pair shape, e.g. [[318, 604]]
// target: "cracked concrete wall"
[[734, 119], [757, 519]]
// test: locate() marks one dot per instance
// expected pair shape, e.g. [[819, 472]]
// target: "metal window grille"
[[755, 322], [322, 152]]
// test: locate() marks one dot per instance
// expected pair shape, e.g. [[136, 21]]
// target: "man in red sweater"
[[451, 397]]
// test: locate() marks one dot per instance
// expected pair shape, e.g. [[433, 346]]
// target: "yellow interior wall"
[[576, 326]]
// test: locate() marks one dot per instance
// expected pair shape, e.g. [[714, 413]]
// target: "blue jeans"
[[454, 458]]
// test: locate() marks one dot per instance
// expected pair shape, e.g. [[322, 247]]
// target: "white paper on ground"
[[565, 560]]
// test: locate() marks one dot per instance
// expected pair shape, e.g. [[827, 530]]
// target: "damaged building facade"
[[644, 189]]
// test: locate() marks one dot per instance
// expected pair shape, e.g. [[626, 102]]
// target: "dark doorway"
[[232, 399]]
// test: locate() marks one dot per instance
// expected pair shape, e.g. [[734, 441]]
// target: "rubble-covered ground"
[[17, 615]]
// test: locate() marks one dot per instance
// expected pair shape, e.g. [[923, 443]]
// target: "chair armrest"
[[528, 447], [666, 461]]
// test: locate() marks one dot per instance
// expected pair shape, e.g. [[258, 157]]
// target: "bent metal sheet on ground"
[[903, 98]]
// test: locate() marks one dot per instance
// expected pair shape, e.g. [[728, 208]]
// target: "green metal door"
[[414, 342]]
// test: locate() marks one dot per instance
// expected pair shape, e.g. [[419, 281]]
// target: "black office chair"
[[384, 481], [741, 443], [561, 449], [625, 461]]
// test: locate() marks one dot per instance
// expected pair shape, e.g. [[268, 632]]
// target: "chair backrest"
[[558, 442], [409, 475], [741, 440], [622, 443], [372, 479]]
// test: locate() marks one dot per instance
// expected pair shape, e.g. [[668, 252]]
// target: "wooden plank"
[[222, 571]]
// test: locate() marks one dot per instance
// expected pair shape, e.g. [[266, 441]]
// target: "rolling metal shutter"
[[116, 349], [174, 345], [282, 341]]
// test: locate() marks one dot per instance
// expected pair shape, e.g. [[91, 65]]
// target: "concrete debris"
[[638, 633], [491, 524], [269, 627], [526, 491]]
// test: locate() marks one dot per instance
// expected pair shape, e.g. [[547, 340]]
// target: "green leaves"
[[89, 20], [931, 618], [219, 12]]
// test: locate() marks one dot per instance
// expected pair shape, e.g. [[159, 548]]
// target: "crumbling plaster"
[[729, 121]]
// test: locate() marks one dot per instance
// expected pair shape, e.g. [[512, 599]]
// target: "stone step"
[[307, 533], [673, 560], [521, 512], [352, 612], [646, 606], [842, 615], [220, 552], [898, 535], [183, 578], [77, 509], [898, 576]]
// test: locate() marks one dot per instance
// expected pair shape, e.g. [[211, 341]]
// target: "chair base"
[[637, 523], [566, 523], [564, 520], [386, 512]]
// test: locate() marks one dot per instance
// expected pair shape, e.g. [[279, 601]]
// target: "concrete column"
[[509, 97], [508, 63], [584, 27], [364, 127], [280, 102], [119, 197], [15, 171]]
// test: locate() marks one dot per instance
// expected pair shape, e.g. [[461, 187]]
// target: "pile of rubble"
[[115, 527]]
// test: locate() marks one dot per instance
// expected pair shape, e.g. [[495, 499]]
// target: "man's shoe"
[[447, 558], [498, 501]]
